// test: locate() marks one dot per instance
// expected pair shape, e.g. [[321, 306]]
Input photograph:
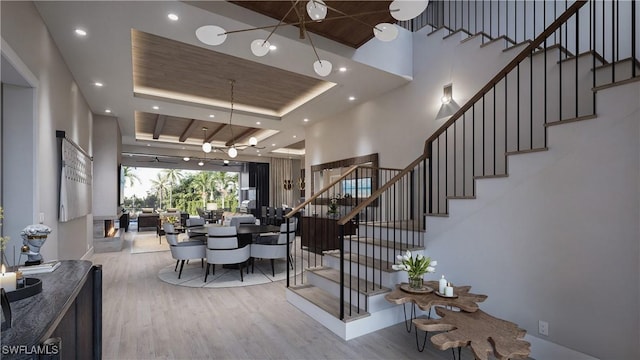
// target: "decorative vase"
[[416, 282]]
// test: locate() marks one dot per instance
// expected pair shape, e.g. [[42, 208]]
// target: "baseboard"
[[88, 255], [543, 349]]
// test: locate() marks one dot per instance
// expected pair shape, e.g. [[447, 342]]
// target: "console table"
[[320, 234], [66, 315], [471, 326]]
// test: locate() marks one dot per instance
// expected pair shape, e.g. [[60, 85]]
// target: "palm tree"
[[160, 186], [224, 183], [130, 175], [201, 183], [173, 176]]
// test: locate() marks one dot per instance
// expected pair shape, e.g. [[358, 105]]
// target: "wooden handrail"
[[512, 65], [376, 194], [317, 195], [490, 85]]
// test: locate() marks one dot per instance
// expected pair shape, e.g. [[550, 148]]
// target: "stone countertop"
[[35, 317]]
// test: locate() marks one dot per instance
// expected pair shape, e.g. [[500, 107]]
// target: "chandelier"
[[232, 150], [317, 12]]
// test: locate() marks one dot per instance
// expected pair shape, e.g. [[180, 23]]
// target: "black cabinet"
[[124, 222], [67, 315]]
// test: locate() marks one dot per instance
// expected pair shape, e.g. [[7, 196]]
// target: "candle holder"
[[32, 286]]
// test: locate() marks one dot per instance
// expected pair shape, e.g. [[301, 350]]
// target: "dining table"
[[246, 232]]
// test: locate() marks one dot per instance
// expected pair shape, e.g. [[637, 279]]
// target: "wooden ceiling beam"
[[215, 132], [245, 134], [160, 120], [193, 124]]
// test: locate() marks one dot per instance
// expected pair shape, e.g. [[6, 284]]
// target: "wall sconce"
[[301, 183], [287, 184], [449, 106]]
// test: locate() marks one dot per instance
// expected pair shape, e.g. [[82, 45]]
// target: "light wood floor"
[[145, 318]]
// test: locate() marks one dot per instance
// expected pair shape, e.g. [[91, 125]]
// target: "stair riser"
[[369, 303], [396, 235], [623, 71], [375, 251], [370, 274]]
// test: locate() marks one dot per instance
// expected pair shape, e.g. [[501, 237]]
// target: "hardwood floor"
[[145, 318]]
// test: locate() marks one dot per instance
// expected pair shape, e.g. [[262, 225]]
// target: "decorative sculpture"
[[33, 237]]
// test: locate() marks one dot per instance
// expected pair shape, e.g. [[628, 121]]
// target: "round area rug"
[[193, 274]]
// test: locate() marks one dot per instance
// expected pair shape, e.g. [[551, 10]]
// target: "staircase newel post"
[[341, 243], [288, 250]]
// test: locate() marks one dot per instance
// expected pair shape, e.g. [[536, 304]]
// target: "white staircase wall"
[[558, 240]]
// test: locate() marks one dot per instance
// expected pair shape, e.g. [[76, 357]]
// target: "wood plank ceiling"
[[345, 30], [171, 66]]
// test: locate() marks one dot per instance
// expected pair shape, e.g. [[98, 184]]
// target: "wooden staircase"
[[368, 255]]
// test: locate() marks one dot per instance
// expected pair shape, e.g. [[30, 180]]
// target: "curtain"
[[281, 174]]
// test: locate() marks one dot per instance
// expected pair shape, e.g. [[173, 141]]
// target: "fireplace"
[[105, 235], [109, 228]]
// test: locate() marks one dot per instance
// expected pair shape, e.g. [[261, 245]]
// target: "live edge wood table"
[[470, 326]]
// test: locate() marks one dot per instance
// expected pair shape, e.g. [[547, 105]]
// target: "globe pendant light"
[[260, 47], [211, 34], [206, 146], [233, 152], [253, 141], [385, 32], [317, 10], [322, 67], [404, 10]]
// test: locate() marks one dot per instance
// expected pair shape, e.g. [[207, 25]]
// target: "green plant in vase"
[[333, 205]]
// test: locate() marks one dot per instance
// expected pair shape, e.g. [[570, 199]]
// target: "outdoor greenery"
[[173, 188]]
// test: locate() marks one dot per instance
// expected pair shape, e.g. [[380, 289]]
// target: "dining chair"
[[222, 248], [279, 216], [274, 246], [167, 228], [195, 222], [185, 250]]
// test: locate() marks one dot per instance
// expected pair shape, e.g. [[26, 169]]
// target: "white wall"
[[59, 106], [558, 240], [106, 144]]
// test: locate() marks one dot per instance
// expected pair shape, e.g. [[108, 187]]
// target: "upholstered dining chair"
[[186, 250], [222, 248], [167, 228], [274, 246], [195, 222]]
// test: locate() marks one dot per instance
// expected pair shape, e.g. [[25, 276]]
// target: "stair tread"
[[399, 225], [384, 243], [361, 285], [363, 260], [328, 302]]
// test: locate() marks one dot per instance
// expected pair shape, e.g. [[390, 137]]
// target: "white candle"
[[8, 280], [448, 290]]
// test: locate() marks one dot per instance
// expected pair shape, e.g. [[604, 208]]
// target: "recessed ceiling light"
[[108, 111], [226, 161], [173, 17], [258, 123], [259, 154], [156, 107], [306, 120], [148, 144], [183, 148], [342, 69], [258, 151], [80, 32], [212, 116], [273, 144], [98, 84], [294, 136], [201, 163], [351, 98], [273, 47], [186, 158]]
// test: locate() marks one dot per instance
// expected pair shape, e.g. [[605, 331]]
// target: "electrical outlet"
[[543, 328]]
